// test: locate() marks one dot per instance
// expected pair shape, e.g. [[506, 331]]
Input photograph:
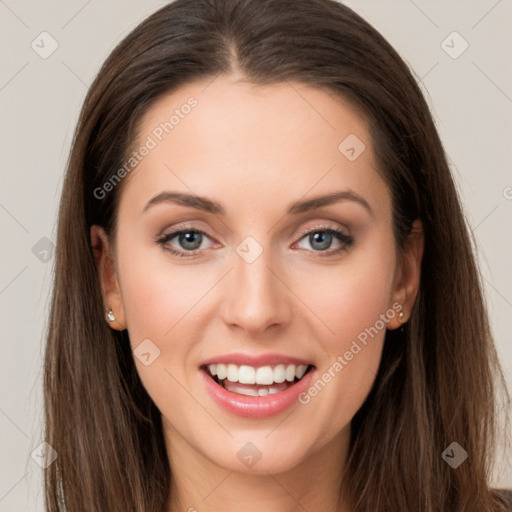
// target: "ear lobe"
[[107, 276], [409, 273]]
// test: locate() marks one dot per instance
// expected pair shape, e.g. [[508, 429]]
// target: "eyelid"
[[164, 238], [182, 229], [324, 226], [192, 227], [344, 238], [187, 225]]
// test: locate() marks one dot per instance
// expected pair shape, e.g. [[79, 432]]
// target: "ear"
[[107, 275], [407, 276]]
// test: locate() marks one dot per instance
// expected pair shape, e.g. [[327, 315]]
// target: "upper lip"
[[256, 361]]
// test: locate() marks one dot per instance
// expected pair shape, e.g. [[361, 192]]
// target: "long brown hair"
[[439, 376]]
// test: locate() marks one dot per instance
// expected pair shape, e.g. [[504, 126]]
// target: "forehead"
[[255, 146]]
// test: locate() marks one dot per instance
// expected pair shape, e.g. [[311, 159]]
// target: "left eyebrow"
[[325, 200]]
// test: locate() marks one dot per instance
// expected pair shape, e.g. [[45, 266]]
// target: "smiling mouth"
[[256, 381]]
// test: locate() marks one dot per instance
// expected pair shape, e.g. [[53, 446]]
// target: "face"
[[225, 265]]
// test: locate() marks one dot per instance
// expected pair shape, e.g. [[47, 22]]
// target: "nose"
[[257, 300]]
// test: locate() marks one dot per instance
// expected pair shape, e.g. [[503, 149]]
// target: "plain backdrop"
[[460, 52]]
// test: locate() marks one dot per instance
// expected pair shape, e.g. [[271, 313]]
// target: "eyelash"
[[345, 239]]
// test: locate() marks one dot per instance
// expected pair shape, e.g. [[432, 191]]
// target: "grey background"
[[470, 96]]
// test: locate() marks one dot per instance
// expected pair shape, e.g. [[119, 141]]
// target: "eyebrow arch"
[[325, 200], [207, 205], [193, 201]]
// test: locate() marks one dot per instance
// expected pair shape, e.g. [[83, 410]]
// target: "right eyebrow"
[[183, 199]]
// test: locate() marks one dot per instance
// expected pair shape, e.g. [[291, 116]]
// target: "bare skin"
[[256, 150]]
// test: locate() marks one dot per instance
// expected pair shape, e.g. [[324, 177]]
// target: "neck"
[[198, 484]]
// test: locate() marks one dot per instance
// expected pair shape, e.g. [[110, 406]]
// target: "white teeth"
[[221, 371], [232, 373], [300, 371], [248, 392], [264, 375], [246, 375], [290, 373], [279, 375]]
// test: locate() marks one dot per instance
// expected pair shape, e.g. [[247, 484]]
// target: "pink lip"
[[256, 361], [256, 406]]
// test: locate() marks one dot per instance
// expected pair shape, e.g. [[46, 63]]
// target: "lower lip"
[[256, 406]]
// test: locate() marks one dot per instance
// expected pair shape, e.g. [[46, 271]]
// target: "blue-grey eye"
[[190, 240], [322, 238]]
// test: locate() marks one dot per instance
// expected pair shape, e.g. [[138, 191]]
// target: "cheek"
[[157, 299], [352, 296], [163, 303], [348, 296], [156, 294], [352, 299]]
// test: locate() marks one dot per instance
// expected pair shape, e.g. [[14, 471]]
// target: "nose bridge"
[[258, 299]]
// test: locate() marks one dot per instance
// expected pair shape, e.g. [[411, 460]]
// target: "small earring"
[[401, 317], [110, 316]]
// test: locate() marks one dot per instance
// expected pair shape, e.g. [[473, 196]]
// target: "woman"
[[265, 294]]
